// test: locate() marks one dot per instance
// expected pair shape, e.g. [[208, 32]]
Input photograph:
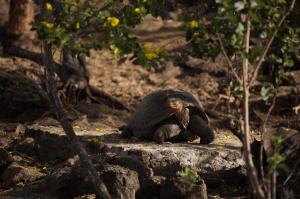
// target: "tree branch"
[[251, 170], [229, 63], [16, 51], [99, 186], [262, 57], [269, 112]]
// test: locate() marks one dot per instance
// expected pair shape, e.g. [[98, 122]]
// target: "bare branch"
[[262, 57], [251, 170], [99, 186], [228, 60], [273, 184], [292, 172], [269, 112]]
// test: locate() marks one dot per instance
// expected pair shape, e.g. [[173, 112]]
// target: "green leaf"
[[281, 1], [266, 93], [240, 28], [253, 4], [240, 5], [263, 35]]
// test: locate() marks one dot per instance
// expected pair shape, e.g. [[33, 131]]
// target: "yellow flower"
[[193, 24], [137, 10], [112, 21], [48, 6], [47, 25], [116, 51], [150, 54], [77, 25]]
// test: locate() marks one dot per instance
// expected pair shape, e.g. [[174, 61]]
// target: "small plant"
[[276, 161], [266, 93], [189, 175]]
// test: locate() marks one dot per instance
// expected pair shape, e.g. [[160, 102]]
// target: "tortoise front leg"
[[199, 127], [165, 132]]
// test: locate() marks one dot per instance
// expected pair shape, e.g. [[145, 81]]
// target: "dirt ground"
[[129, 84]]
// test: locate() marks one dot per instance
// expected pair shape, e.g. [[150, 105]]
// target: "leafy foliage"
[[226, 26], [79, 26], [276, 161]]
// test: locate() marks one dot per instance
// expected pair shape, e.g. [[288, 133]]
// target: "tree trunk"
[[21, 14], [99, 187], [251, 170]]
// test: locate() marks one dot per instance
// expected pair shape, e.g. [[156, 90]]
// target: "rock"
[[16, 173], [156, 24], [44, 146], [178, 187], [27, 145], [168, 158], [5, 159], [122, 183], [140, 163], [151, 187], [216, 68], [133, 161], [58, 182], [140, 169]]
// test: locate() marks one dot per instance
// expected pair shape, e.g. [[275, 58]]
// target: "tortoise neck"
[[183, 117]]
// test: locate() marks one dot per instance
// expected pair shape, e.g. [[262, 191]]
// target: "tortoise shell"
[[153, 110]]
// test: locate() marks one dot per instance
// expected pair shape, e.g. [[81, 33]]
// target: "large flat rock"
[[223, 154]]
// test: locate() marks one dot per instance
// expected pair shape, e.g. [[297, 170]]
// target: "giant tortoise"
[[166, 115]]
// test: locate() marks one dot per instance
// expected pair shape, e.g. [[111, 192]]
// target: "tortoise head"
[[176, 105], [179, 108]]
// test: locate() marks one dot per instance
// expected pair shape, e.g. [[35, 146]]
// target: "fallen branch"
[[99, 187]]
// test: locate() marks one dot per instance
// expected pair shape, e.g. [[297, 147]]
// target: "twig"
[[269, 112], [262, 57], [251, 170], [292, 173], [229, 63], [99, 186], [296, 109], [261, 158], [273, 184]]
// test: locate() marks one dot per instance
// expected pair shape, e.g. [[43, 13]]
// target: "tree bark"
[[251, 170], [21, 14], [99, 186]]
